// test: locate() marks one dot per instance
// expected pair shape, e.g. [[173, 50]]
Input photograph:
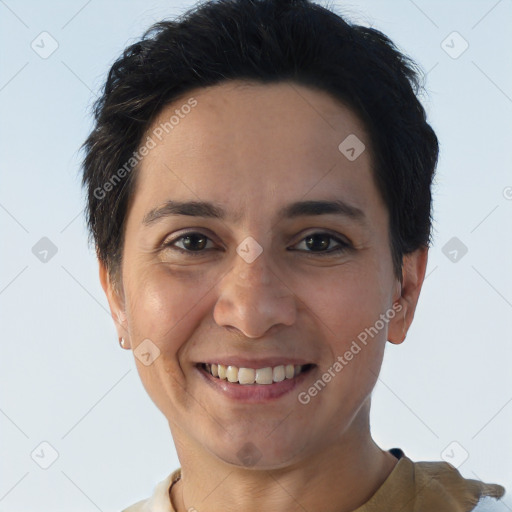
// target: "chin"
[[259, 451]]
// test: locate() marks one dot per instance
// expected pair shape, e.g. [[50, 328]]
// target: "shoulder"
[[439, 486], [447, 482], [159, 501]]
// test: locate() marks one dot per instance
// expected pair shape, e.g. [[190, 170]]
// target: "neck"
[[338, 478]]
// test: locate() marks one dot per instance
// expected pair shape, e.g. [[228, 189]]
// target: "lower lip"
[[254, 393]]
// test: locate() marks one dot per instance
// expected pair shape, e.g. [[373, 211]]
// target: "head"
[[253, 107]]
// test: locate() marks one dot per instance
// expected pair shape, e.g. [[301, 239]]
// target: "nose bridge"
[[252, 265], [252, 279], [252, 297]]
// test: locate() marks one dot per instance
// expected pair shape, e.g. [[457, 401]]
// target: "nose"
[[253, 298]]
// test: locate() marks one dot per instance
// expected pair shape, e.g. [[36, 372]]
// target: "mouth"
[[254, 376], [254, 385]]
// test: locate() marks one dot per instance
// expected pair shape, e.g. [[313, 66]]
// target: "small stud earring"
[[122, 342]]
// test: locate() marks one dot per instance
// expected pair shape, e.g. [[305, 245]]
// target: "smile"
[[254, 376]]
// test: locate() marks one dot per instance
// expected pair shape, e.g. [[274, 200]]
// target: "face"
[[290, 264]]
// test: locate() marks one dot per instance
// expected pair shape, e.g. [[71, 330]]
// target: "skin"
[[252, 149]]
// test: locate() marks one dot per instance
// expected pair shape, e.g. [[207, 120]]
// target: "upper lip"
[[243, 362]]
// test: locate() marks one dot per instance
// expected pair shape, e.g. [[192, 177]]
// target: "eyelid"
[[324, 231]]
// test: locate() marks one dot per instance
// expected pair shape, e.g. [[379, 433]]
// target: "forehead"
[[242, 144], [284, 118]]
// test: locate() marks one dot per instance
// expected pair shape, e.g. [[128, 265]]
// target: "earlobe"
[[115, 304], [398, 326], [413, 275]]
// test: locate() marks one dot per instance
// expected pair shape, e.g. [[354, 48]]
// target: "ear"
[[413, 274], [116, 304]]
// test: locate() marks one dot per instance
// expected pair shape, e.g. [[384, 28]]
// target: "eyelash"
[[343, 246]]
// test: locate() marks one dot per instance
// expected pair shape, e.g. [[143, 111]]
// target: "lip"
[[241, 362], [253, 393]]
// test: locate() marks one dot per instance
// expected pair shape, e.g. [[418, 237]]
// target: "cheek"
[[348, 306], [346, 303], [163, 305]]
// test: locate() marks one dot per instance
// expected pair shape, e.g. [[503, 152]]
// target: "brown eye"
[[320, 243], [193, 243]]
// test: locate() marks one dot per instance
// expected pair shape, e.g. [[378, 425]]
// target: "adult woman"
[[259, 195]]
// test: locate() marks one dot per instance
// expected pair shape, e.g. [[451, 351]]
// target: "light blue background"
[[64, 378]]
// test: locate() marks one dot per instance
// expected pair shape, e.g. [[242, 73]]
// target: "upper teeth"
[[250, 375]]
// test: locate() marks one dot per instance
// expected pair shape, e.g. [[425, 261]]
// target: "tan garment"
[[410, 487]]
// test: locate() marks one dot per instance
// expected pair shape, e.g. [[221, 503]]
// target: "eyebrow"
[[294, 210]]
